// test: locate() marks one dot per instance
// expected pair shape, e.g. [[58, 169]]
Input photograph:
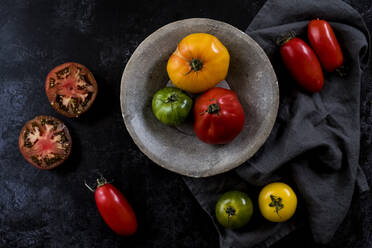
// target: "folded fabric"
[[314, 145]]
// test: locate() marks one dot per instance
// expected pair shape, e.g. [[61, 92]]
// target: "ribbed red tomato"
[[324, 42], [303, 64], [219, 116], [114, 208]]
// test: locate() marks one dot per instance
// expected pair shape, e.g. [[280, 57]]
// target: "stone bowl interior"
[[250, 75]]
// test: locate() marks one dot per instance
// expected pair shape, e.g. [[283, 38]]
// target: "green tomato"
[[171, 105], [234, 209]]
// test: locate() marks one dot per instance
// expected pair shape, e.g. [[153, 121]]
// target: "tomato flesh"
[[45, 142], [71, 89], [303, 64], [324, 42], [115, 210]]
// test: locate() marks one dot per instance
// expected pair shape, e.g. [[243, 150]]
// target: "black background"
[[53, 208]]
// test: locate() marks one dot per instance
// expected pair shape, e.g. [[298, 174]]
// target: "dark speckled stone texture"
[[52, 208]]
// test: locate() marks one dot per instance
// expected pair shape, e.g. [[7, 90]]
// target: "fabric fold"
[[314, 145]]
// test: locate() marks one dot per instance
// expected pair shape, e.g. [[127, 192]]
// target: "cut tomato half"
[[71, 89], [45, 142]]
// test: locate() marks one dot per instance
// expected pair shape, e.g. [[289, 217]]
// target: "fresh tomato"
[[219, 116], [234, 209], [171, 106], [199, 63], [277, 202], [303, 64], [324, 42], [71, 89], [114, 208], [45, 142]]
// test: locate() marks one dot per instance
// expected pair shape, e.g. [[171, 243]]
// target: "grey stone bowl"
[[250, 75]]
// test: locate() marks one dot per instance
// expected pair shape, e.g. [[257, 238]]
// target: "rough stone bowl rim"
[[260, 139]]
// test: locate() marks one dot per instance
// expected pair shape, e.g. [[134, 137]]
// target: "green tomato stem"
[[196, 65], [230, 212], [214, 108], [276, 202], [284, 39], [172, 98]]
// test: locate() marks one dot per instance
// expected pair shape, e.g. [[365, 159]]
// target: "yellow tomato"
[[277, 202], [199, 63]]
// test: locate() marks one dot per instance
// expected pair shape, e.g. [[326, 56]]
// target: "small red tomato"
[[323, 41], [219, 116], [114, 208], [303, 64]]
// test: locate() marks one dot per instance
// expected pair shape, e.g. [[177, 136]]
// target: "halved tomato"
[[71, 89], [45, 142]]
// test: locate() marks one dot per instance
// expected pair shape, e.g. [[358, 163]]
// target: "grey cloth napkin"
[[314, 145]]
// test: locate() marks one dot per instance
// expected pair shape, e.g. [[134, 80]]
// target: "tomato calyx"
[[196, 65], [172, 98], [343, 70], [285, 38], [100, 182], [230, 211], [276, 202], [213, 108]]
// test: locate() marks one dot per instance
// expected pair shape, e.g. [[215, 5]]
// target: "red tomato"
[[303, 64], [115, 209], [323, 41], [219, 116]]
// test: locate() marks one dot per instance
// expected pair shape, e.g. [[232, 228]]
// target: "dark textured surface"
[[52, 208]]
